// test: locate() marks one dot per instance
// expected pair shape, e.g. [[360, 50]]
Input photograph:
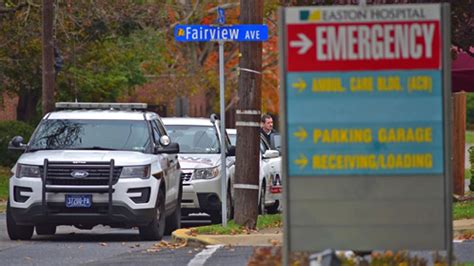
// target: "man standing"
[[267, 127]]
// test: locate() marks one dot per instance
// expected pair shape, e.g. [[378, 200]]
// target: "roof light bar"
[[104, 106]]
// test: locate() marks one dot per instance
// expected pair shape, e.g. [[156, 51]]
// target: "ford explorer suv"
[[96, 163], [200, 159]]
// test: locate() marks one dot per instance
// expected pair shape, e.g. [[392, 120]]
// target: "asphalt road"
[[105, 246]]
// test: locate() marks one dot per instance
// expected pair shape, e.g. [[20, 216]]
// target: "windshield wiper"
[[94, 148], [41, 149]]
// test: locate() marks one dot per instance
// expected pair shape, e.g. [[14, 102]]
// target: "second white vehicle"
[[270, 192], [200, 159]]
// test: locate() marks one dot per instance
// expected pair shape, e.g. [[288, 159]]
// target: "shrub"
[[8, 130]]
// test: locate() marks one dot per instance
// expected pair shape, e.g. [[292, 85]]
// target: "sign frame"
[[445, 180]]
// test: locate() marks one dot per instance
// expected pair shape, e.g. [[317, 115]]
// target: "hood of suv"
[[122, 158], [196, 161]]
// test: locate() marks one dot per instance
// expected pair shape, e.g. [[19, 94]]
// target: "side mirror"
[[17, 143], [231, 151], [172, 147], [165, 140], [271, 154]]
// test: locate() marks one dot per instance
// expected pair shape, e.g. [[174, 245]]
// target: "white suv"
[[200, 159], [270, 192], [96, 163]]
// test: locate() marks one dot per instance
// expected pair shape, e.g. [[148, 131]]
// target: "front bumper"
[[201, 195], [121, 215]]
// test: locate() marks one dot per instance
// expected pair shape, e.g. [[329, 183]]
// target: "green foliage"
[[111, 68], [463, 210], [4, 177], [470, 110], [8, 130], [469, 137]]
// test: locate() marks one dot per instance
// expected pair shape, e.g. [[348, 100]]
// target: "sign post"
[[221, 20], [221, 34], [365, 125]]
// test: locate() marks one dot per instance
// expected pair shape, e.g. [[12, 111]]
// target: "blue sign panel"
[[220, 15], [364, 123], [205, 33]]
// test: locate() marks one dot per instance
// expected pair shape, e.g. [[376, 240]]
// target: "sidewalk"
[[274, 236], [265, 237]]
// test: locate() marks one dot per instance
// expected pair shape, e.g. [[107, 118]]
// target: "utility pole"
[[247, 171], [48, 56]]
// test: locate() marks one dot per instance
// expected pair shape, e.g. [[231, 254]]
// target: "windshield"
[[76, 134], [194, 139]]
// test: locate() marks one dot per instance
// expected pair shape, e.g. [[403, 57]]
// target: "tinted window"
[[232, 139], [194, 139], [77, 134]]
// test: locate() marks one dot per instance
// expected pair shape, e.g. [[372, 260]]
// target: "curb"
[[184, 235]]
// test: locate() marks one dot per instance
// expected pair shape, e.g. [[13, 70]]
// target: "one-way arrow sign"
[[304, 43]]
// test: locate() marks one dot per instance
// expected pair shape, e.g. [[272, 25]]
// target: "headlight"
[[24, 170], [142, 171], [206, 173]]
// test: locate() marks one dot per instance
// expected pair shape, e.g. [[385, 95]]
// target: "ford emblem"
[[79, 174]]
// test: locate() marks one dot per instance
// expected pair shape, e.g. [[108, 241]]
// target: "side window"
[[263, 147], [161, 128], [156, 131]]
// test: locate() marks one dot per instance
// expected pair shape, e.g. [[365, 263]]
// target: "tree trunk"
[[248, 121], [48, 56], [27, 102]]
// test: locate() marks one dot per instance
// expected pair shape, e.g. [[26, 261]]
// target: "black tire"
[[216, 216], [261, 200], [274, 208], [173, 221], [17, 232], [46, 229], [156, 228]]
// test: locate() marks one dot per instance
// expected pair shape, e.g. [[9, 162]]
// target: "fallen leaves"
[[166, 245], [469, 235]]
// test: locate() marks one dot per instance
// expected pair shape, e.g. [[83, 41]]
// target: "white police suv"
[[96, 163], [200, 158]]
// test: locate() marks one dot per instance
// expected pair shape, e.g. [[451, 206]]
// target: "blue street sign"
[[205, 33], [220, 15]]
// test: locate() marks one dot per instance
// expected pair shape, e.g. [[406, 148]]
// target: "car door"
[[169, 164], [272, 170]]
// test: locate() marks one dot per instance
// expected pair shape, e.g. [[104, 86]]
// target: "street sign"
[[366, 127], [205, 33], [220, 15]]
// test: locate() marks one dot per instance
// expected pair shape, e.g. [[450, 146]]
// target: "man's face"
[[268, 125]]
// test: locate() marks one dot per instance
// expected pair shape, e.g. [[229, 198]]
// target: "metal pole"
[[223, 147], [448, 174]]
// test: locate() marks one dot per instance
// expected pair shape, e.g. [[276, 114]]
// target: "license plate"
[[78, 201]]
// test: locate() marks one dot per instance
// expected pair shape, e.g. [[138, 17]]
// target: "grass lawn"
[[463, 210], [263, 221], [469, 137]]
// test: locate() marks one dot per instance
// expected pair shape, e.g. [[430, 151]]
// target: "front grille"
[[186, 177], [97, 174]]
